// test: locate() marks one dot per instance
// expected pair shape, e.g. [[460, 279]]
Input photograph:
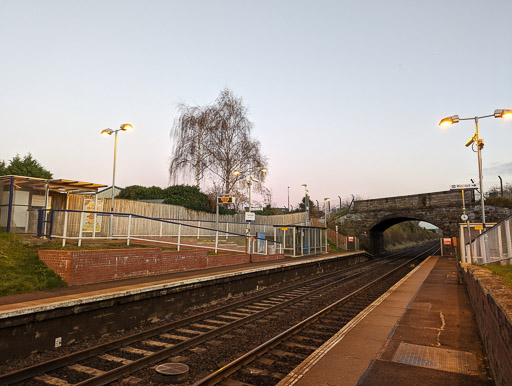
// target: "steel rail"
[[28, 372], [237, 364], [142, 363]]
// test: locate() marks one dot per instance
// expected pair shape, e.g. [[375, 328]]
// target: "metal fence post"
[[216, 240], [81, 228], [52, 214], [508, 227], [294, 240], [500, 244], [129, 229], [65, 231], [227, 230], [161, 228], [179, 237], [483, 251], [198, 230]]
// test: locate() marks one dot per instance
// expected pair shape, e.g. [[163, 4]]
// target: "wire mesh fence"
[[493, 245]]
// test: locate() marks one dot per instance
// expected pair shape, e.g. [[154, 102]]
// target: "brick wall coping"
[[492, 303], [493, 286], [157, 285]]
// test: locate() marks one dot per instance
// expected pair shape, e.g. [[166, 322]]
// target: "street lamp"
[[325, 209], [475, 139], [250, 180], [123, 127], [306, 203], [289, 199]]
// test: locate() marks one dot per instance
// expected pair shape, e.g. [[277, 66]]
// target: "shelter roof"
[[60, 185]]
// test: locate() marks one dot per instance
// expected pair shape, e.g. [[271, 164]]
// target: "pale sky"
[[345, 96]]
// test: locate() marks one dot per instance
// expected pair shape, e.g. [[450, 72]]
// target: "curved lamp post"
[[106, 132], [250, 179], [475, 139]]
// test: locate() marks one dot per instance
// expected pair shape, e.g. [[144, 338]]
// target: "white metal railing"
[[97, 226], [493, 245]]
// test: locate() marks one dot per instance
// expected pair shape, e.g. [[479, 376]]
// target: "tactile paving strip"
[[436, 358]]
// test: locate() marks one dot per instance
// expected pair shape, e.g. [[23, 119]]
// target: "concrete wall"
[[96, 266], [492, 303]]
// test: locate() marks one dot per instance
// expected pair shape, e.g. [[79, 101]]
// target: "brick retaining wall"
[[492, 303], [96, 266]]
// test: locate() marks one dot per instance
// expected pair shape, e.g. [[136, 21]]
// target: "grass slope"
[[20, 269]]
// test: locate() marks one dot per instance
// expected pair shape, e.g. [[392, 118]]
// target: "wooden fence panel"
[[165, 211]]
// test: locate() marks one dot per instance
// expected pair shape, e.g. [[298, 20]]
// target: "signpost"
[[250, 216], [463, 187], [464, 216]]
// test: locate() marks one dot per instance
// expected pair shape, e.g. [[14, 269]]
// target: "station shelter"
[[301, 240], [21, 198]]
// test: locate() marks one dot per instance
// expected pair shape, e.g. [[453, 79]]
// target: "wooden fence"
[[230, 223]]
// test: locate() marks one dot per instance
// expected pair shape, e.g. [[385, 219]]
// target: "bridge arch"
[[369, 218], [376, 230]]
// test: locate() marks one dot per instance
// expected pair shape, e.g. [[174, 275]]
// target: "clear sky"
[[344, 95]]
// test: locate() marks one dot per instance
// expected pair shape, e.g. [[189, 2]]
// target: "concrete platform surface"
[[421, 332]]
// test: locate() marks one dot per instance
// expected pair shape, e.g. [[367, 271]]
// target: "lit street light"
[[475, 139], [124, 127], [250, 180]]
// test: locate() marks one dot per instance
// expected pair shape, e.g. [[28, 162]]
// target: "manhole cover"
[[172, 372]]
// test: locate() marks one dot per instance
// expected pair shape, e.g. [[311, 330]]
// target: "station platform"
[[29, 303], [35, 323], [421, 332]]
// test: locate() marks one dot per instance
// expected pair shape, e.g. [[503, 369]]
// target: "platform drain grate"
[[437, 358]]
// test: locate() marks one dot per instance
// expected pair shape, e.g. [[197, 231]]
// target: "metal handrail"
[[51, 220]]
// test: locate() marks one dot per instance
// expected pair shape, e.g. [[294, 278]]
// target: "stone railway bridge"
[[370, 218]]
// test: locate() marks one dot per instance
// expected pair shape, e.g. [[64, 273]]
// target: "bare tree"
[[230, 144], [215, 141], [189, 132]]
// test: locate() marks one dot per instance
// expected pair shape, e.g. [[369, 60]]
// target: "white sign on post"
[[463, 187], [250, 216]]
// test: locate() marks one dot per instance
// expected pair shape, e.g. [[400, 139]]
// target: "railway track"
[[270, 362], [136, 353]]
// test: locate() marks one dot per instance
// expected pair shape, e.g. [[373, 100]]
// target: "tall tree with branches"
[[231, 146], [216, 140], [189, 133]]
